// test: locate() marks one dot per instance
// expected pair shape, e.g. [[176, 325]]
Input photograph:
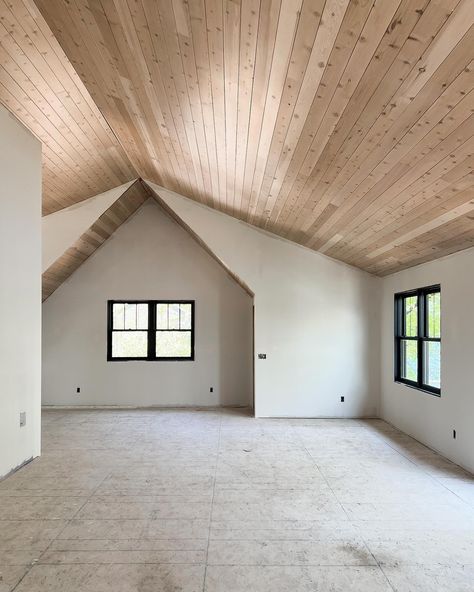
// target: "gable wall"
[[148, 257]]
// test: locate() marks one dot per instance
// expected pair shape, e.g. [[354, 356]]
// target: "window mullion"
[[421, 333], [151, 330]]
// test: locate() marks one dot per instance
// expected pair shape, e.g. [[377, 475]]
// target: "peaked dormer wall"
[[148, 257]]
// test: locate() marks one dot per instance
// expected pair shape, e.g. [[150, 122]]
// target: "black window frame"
[[151, 331], [421, 338]]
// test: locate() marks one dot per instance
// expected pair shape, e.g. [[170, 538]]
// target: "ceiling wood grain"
[[107, 223], [346, 126], [81, 155]]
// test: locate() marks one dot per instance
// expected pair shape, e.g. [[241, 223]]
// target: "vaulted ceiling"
[[344, 125]]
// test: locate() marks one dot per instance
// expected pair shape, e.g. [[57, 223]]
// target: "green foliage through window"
[[418, 338]]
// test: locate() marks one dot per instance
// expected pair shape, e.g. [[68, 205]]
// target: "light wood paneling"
[[81, 155], [346, 126], [94, 237]]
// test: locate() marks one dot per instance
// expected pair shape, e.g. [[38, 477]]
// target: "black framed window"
[[150, 330], [418, 339]]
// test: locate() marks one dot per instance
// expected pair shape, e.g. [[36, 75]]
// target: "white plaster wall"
[[148, 257], [62, 229], [20, 292], [428, 418], [315, 318]]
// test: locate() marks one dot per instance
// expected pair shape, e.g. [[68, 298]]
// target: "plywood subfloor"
[[215, 500]]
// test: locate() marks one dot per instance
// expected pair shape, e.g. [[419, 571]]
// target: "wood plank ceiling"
[[95, 236], [344, 125], [81, 155]]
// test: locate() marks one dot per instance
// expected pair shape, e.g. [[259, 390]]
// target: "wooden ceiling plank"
[[26, 80], [378, 20], [267, 30], [312, 46], [199, 93], [352, 24], [420, 202], [452, 109], [135, 86], [19, 104], [90, 60], [249, 30], [215, 41], [285, 37], [398, 51], [188, 64], [155, 96], [394, 174], [432, 163], [231, 90], [387, 159], [458, 145], [415, 45], [458, 234], [196, 22], [171, 44], [425, 199], [448, 199], [437, 52], [88, 126]]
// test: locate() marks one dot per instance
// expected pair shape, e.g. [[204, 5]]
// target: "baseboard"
[[142, 407], [17, 468]]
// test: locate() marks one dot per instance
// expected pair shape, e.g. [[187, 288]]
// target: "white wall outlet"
[[22, 418]]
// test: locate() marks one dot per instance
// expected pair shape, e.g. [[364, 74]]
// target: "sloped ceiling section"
[[62, 229], [125, 204], [81, 154], [344, 125]]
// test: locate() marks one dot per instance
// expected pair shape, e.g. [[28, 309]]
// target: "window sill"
[[150, 359], [418, 388]]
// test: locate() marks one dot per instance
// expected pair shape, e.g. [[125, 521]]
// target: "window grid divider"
[[421, 337], [151, 329]]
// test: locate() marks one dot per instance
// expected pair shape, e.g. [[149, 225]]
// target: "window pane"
[[129, 344], [432, 363], [185, 316], [173, 344], [118, 316], [142, 316], [130, 316], [173, 316], [411, 316], [162, 316], [433, 306], [409, 359]]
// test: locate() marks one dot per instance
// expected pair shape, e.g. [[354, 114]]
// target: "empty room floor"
[[215, 500]]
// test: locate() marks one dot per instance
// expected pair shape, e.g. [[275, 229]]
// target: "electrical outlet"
[[22, 418], [78, 389], [454, 434], [342, 399], [211, 390]]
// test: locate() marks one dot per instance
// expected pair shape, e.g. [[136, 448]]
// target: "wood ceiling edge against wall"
[[94, 237], [258, 229], [174, 216]]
